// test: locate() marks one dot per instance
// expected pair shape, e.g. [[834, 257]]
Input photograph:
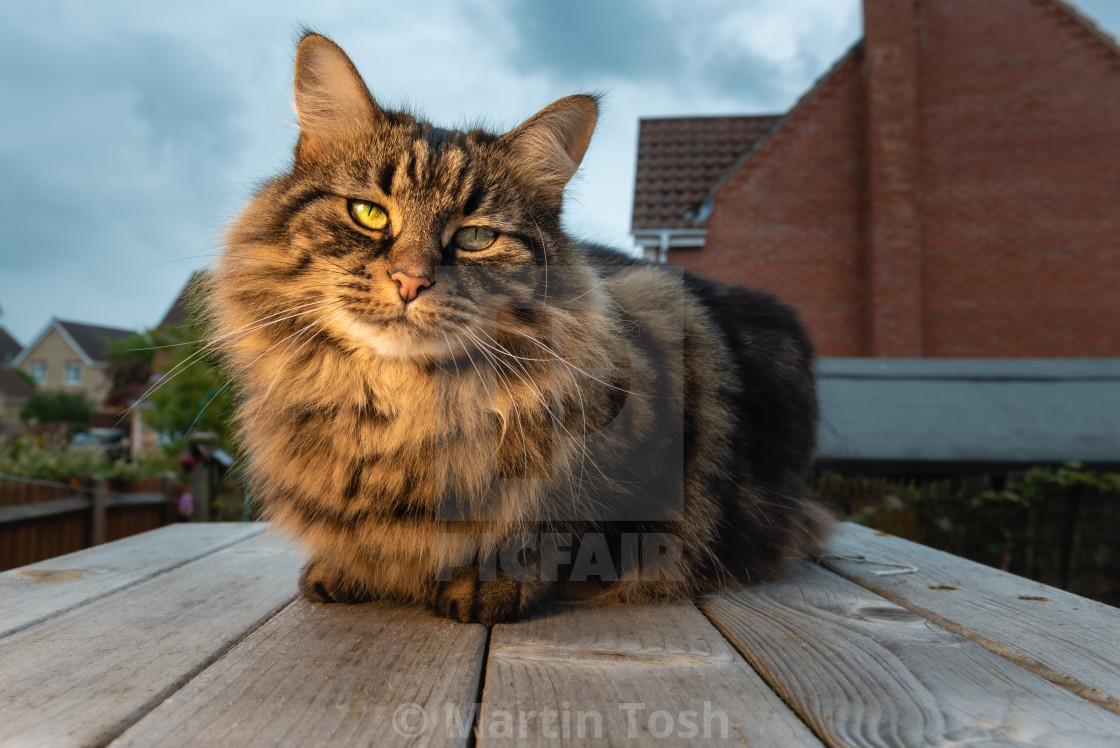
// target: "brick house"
[[950, 188]]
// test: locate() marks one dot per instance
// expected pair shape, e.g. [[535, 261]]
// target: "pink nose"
[[410, 285]]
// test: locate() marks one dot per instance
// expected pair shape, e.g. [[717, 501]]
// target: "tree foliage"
[[58, 407], [191, 392], [131, 362]]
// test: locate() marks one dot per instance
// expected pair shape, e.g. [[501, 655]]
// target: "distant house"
[[947, 189], [71, 356], [9, 347], [179, 312]]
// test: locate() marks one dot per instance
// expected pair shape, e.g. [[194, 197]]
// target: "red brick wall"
[[791, 220], [1021, 182], [1015, 248], [894, 224]]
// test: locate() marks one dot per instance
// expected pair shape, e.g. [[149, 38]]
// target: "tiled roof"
[[9, 347], [180, 310], [93, 339], [679, 158]]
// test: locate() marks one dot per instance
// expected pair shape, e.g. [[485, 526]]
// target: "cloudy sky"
[[132, 131]]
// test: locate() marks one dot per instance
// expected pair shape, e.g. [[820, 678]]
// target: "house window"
[[73, 372], [39, 372]]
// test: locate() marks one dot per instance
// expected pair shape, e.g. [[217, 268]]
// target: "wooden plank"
[[56, 585], [374, 674], [627, 675], [83, 677], [134, 499], [1067, 639], [97, 510], [865, 672], [42, 509]]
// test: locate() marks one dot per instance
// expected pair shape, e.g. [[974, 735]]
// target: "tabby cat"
[[452, 403]]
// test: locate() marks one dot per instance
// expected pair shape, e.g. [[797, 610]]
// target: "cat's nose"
[[410, 285]]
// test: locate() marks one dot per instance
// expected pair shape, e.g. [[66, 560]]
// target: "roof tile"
[[679, 158]]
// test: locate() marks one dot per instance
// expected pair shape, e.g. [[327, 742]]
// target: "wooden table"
[[192, 635]]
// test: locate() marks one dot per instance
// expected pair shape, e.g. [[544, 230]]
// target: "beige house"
[[71, 356]]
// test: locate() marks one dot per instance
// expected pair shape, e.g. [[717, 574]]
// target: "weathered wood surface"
[[865, 672], [191, 635], [373, 674], [1067, 639], [83, 677], [638, 675], [56, 585]]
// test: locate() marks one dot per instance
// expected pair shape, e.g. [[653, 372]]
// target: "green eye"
[[369, 215], [474, 238]]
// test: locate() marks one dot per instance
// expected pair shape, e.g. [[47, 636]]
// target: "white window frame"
[[38, 372], [68, 369]]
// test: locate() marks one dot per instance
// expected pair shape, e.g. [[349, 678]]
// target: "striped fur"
[[536, 386]]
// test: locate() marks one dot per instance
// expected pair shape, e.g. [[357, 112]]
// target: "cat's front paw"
[[320, 582], [467, 599]]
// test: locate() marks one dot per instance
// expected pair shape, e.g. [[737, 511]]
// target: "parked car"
[[111, 441]]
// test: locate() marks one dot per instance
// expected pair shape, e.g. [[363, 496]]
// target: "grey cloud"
[[38, 226], [671, 46], [113, 141]]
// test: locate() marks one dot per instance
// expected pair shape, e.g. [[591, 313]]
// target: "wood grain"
[[563, 678], [82, 677], [1069, 640], [330, 675], [865, 672], [56, 585]]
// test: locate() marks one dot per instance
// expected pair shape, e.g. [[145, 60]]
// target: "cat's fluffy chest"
[[426, 436]]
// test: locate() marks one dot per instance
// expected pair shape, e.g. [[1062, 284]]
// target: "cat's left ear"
[[332, 100], [551, 143]]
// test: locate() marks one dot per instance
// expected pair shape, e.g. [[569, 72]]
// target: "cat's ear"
[[551, 143], [332, 101]]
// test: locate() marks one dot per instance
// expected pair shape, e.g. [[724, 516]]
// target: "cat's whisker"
[[512, 400], [544, 253], [579, 439], [594, 287], [582, 409], [570, 365], [323, 322], [208, 347], [207, 341], [276, 345], [527, 382], [170, 262], [474, 365], [451, 352], [202, 410], [287, 263]]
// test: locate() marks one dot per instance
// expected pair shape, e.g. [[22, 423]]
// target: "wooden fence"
[[42, 519], [1068, 536]]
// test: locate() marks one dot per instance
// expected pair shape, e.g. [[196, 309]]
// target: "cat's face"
[[403, 237]]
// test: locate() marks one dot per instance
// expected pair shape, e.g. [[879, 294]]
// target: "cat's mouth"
[[399, 337]]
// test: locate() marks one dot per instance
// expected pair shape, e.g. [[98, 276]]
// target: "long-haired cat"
[[451, 402]]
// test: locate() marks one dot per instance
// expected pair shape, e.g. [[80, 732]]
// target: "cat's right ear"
[[332, 100]]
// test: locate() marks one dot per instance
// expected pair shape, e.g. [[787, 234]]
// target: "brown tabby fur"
[[535, 385]]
